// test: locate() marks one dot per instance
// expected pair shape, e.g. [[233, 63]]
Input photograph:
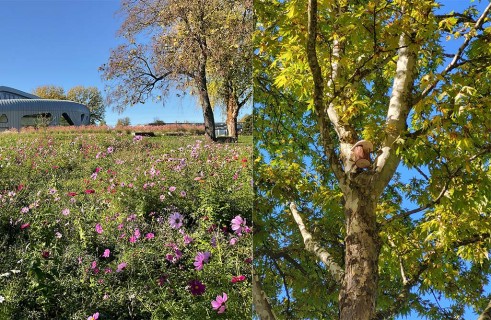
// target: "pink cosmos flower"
[[132, 239], [121, 266], [233, 241], [65, 211], [187, 239], [106, 253], [98, 228], [25, 225], [219, 303], [200, 259], [137, 233], [172, 189], [238, 279], [237, 224], [110, 150], [95, 316], [25, 210], [149, 235]]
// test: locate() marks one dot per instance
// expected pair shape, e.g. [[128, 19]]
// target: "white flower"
[[6, 274], [2, 299], [15, 271]]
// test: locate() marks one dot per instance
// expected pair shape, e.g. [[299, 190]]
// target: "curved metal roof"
[[41, 105], [18, 92]]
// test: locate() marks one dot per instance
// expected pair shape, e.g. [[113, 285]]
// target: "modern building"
[[20, 109]]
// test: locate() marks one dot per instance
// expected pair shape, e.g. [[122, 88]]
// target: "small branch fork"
[[458, 55], [314, 246], [428, 205]]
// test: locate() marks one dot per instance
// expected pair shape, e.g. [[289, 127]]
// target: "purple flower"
[[121, 266], [219, 303], [237, 224], [98, 228], [106, 253], [200, 259], [175, 220], [196, 287]]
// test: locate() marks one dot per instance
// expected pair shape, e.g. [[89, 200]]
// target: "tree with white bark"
[[338, 241]]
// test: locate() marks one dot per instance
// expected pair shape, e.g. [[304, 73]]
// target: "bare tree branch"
[[313, 246]]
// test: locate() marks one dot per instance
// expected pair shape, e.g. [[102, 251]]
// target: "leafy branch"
[[458, 55]]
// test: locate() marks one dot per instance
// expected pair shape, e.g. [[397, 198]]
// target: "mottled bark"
[[358, 292], [261, 304]]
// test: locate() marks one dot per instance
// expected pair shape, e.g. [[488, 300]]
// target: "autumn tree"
[[50, 92], [123, 122], [178, 52], [91, 97], [339, 241], [231, 66]]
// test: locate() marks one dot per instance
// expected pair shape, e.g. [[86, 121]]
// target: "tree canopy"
[[88, 96], [412, 230]]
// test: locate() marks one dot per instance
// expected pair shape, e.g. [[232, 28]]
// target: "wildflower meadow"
[[106, 225]]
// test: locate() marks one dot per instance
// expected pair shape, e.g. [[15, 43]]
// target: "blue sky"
[[63, 43]]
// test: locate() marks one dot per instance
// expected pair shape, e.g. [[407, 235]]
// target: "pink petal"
[[215, 304], [222, 309]]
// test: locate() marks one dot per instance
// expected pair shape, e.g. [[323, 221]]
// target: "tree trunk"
[[358, 292], [261, 304], [204, 98], [232, 113]]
